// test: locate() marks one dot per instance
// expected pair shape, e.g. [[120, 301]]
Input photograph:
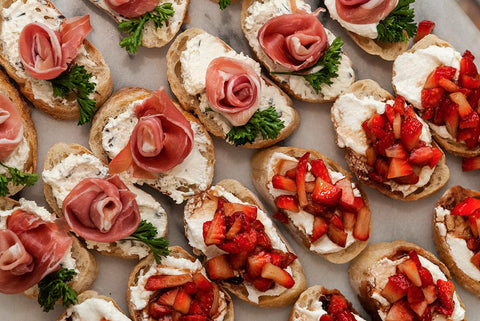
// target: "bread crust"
[[449, 200], [360, 273], [357, 162], [386, 51], [260, 163], [145, 264], [245, 195], [84, 260], [191, 103], [29, 131], [60, 110], [267, 62], [451, 145], [116, 105]]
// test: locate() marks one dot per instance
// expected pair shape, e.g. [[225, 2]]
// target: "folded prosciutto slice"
[[295, 41], [364, 11], [46, 53], [161, 140], [132, 8], [30, 248], [11, 127], [233, 89], [101, 210]]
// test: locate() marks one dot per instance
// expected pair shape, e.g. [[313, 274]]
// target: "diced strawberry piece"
[[430, 82], [469, 82], [362, 225], [411, 131], [287, 202], [411, 271], [286, 165], [397, 126], [284, 183], [466, 207], [421, 156], [190, 288], [256, 262], [385, 141], [292, 173], [202, 283], [425, 27], [451, 118], [430, 293], [337, 221], [337, 235], [320, 170], [300, 179], [288, 258], [381, 170], [399, 105], [326, 193], [281, 217], [193, 317], [314, 208], [168, 298], [195, 308], [320, 227], [409, 111], [396, 151], [221, 201], [467, 66], [246, 241], [358, 203], [206, 299], [476, 260], [239, 260], [378, 121], [446, 72], [347, 200], [157, 310], [399, 168], [428, 113], [309, 186], [419, 307], [470, 164], [176, 316], [407, 180], [337, 303], [349, 220], [431, 97], [446, 290], [389, 113], [263, 240], [215, 234], [250, 211], [425, 276], [344, 315], [371, 156], [326, 317], [473, 243], [415, 295], [471, 121], [182, 302], [400, 311], [474, 222], [236, 227], [219, 269], [464, 108], [468, 93], [396, 288], [277, 274], [262, 284], [448, 85], [158, 282], [437, 155]]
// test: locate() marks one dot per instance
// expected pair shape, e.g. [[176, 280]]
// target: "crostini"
[[150, 24], [316, 199], [93, 307], [402, 281], [443, 86], [66, 76], [178, 287], [388, 146], [171, 151], [41, 253], [455, 232], [18, 141], [245, 252], [106, 211], [319, 304], [304, 59], [227, 91]]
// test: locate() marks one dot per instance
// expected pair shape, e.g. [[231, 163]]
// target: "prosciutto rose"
[[233, 89], [11, 127], [101, 210], [364, 11], [132, 8]]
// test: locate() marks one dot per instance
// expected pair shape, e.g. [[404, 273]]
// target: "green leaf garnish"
[[397, 23], [329, 63], [134, 27], [17, 177], [265, 122], [224, 4], [147, 234], [54, 287], [77, 81]]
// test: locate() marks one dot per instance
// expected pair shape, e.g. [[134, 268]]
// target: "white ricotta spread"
[[312, 311], [18, 158], [94, 309], [262, 11], [184, 180]]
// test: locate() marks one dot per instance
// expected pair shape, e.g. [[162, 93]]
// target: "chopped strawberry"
[[326, 193], [399, 105], [337, 221], [411, 271], [415, 295], [215, 233], [430, 293], [309, 186], [158, 282], [182, 302], [466, 207], [411, 131], [236, 227], [287, 202], [371, 156], [239, 260], [430, 82], [263, 240], [425, 276], [190, 288], [157, 310], [250, 211], [195, 307], [470, 164], [326, 317], [446, 72], [362, 225], [281, 217], [464, 108], [386, 140], [349, 220], [337, 235], [314, 208], [407, 180], [344, 315], [471, 121], [425, 27], [446, 290], [474, 222], [451, 117], [469, 82], [347, 200], [219, 269], [300, 179], [421, 156], [396, 288], [419, 307], [262, 284], [202, 283], [389, 113], [400, 311], [399, 168], [286, 165], [473, 243], [467, 66], [292, 173], [284, 183], [337, 304], [277, 274], [168, 298], [320, 227], [448, 85], [256, 262], [431, 97], [358, 203], [476, 260], [320, 170], [437, 155], [194, 317], [207, 299], [381, 168], [396, 151]]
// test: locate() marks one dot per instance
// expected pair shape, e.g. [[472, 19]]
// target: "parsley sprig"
[[265, 122], [17, 177], [399, 24], [329, 63], [147, 234], [54, 287], [77, 81], [134, 27], [224, 4]]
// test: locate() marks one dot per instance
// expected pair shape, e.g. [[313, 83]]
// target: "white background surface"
[[392, 220]]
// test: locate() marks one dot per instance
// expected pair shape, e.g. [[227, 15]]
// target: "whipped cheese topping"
[[312, 310], [18, 158], [94, 309], [184, 180], [262, 11]]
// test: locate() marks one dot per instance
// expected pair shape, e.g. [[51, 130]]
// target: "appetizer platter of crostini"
[[209, 160]]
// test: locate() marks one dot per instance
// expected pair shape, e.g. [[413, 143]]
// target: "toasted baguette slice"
[[346, 73], [192, 103], [142, 268], [84, 260], [445, 225], [153, 37], [205, 205], [261, 162], [357, 163], [55, 155], [29, 132], [307, 306], [364, 275], [58, 108], [449, 144], [119, 103]]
